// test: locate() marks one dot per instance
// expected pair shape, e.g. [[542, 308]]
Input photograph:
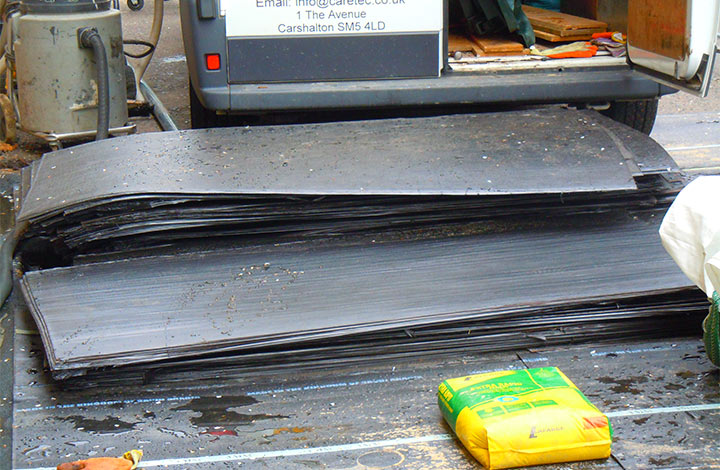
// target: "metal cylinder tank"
[[63, 6], [57, 79]]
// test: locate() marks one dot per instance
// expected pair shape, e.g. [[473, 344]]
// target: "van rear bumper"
[[537, 87]]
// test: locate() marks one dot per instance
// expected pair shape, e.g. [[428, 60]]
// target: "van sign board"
[[288, 18]]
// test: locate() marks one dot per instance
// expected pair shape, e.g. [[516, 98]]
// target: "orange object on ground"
[[129, 461], [100, 463]]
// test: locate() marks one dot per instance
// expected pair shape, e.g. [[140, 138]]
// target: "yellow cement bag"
[[524, 417]]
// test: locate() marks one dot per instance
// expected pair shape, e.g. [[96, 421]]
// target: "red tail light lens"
[[212, 61]]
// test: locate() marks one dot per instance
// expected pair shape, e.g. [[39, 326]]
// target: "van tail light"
[[212, 61]]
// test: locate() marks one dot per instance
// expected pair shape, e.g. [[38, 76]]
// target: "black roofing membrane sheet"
[[163, 307], [548, 150], [291, 244]]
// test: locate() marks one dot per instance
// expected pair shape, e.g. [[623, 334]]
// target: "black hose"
[[90, 38], [137, 42]]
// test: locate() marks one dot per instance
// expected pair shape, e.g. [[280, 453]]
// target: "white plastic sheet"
[[690, 232]]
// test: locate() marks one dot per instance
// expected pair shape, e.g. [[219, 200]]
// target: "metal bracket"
[[55, 140]]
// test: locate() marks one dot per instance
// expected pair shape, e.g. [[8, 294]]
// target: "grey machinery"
[[69, 67]]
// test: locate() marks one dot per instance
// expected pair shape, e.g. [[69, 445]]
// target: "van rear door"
[[674, 41]]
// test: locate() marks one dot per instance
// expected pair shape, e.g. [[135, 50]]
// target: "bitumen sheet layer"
[[164, 307], [452, 218], [548, 150]]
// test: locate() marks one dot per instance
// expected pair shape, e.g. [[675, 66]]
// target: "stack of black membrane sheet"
[[395, 237], [672, 314]]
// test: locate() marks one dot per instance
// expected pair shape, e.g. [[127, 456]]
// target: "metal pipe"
[[90, 38], [10, 61], [159, 110], [3, 41], [158, 14]]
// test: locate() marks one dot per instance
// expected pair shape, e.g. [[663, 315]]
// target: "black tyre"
[[135, 5], [638, 114], [201, 117], [130, 85]]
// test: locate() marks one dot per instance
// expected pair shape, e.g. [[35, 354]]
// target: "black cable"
[[90, 38], [138, 42]]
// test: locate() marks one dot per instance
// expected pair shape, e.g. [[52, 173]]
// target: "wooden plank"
[[557, 23], [485, 46], [460, 43], [498, 44], [503, 54], [555, 38], [571, 32]]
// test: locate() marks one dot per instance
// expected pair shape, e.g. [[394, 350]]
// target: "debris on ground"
[[5, 147], [129, 461]]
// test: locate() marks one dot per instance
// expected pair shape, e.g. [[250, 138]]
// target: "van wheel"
[[200, 116], [638, 114]]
